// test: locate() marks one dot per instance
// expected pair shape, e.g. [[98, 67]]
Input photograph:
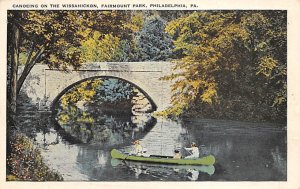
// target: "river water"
[[243, 151]]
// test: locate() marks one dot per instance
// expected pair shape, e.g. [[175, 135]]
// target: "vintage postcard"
[[150, 94]]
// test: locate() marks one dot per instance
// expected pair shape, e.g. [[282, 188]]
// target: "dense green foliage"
[[232, 64], [25, 162]]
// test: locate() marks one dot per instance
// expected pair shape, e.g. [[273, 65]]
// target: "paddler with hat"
[[194, 151]]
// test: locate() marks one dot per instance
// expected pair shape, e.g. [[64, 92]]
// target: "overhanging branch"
[[28, 68]]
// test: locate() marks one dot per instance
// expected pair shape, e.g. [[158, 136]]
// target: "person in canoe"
[[138, 149], [194, 152], [177, 154]]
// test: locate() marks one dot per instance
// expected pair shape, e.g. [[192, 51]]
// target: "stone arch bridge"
[[44, 86]]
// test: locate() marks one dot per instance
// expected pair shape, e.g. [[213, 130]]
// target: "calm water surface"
[[243, 151]]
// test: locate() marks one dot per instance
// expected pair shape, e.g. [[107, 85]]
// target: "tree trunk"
[[14, 68], [28, 68]]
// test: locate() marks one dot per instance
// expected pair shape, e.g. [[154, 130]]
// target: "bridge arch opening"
[[58, 97]]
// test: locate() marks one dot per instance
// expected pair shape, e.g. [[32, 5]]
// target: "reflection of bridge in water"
[[165, 136], [45, 86]]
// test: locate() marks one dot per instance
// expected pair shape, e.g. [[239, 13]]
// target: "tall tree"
[[45, 36]]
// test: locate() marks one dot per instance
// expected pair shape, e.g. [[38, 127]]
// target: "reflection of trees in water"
[[94, 127], [98, 112], [161, 171], [89, 160], [32, 122]]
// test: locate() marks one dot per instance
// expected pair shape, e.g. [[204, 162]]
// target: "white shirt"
[[195, 151]]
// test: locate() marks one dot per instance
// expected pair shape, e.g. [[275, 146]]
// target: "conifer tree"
[[152, 42]]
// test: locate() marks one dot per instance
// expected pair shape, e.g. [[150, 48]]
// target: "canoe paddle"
[[187, 150]]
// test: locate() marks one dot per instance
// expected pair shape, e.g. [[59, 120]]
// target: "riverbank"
[[232, 126], [218, 115], [25, 162], [243, 110]]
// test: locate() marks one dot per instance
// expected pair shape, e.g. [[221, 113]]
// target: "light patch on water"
[[59, 156], [101, 158]]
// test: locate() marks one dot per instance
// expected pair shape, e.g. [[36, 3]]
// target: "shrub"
[[25, 162]]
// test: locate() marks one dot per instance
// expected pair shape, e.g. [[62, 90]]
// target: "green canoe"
[[208, 160]]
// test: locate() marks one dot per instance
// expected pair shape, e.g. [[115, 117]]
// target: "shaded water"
[[243, 151]]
